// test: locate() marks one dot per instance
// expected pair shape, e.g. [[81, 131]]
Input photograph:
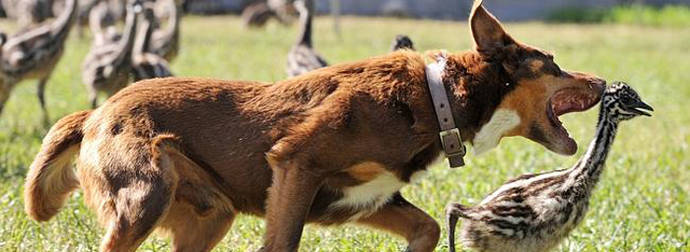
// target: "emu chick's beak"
[[641, 105]]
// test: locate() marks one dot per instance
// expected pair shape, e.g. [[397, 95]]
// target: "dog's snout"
[[598, 84], [597, 81], [592, 81]]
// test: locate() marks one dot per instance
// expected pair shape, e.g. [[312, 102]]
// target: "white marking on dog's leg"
[[490, 134]]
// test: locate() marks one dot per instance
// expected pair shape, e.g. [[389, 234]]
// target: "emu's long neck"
[[97, 17], [587, 170], [143, 36], [63, 24], [305, 18], [173, 29], [127, 41]]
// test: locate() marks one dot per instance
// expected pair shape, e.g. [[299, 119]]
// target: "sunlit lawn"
[[641, 203]]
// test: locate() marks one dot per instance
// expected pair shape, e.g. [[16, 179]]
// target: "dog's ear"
[[487, 31]]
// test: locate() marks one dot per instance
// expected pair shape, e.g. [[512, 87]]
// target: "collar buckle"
[[453, 147]]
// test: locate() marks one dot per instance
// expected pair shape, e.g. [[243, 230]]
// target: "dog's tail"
[[51, 178]]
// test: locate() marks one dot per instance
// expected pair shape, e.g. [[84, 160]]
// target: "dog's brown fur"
[[186, 155]]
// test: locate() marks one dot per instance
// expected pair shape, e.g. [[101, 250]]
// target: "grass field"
[[641, 204]]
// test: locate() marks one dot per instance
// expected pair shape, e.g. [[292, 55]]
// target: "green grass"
[[641, 203], [670, 15]]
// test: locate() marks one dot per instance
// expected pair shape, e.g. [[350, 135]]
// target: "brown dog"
[[332, 146]]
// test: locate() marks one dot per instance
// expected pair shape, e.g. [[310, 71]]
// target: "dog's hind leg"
[[191, 232], [201, 215], [137, 199]]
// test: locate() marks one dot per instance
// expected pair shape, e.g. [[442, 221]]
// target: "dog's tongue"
[[572, 100], [569, 100]]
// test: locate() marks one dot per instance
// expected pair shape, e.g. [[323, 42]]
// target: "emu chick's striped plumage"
[[102, 24], [145, 64], [534, 212], [302, 57], [107, 66], [33, 53], [165, 42]]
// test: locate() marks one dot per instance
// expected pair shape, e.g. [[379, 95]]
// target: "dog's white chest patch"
[[490, 134], [369, 196]]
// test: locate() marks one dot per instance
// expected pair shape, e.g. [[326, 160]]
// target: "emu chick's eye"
[[626, 99]]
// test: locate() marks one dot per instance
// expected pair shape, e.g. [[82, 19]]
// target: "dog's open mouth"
[[565, 101]]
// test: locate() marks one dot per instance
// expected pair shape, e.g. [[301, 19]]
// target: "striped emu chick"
[[165, 42], [33, 54], [534, 212], [107, 66], [102, 24], [302, 57], [146, 64]]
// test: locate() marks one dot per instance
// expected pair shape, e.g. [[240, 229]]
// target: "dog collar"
[[450, 134]]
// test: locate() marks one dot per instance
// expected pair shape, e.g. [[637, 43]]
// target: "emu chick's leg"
[[5, 90], [41, 98], [93, 97]]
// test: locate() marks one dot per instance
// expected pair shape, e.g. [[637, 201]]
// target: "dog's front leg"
[[402, 218], [289, 200]]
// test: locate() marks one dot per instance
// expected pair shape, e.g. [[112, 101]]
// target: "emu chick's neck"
[[587, 170], [63, 23], [127, 41], [305, 18], [143, 36]]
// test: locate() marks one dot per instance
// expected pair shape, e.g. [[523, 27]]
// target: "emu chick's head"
[[620, 102]]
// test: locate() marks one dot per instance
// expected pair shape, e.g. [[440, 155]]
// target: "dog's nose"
[[597, 84], [598, 81]]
